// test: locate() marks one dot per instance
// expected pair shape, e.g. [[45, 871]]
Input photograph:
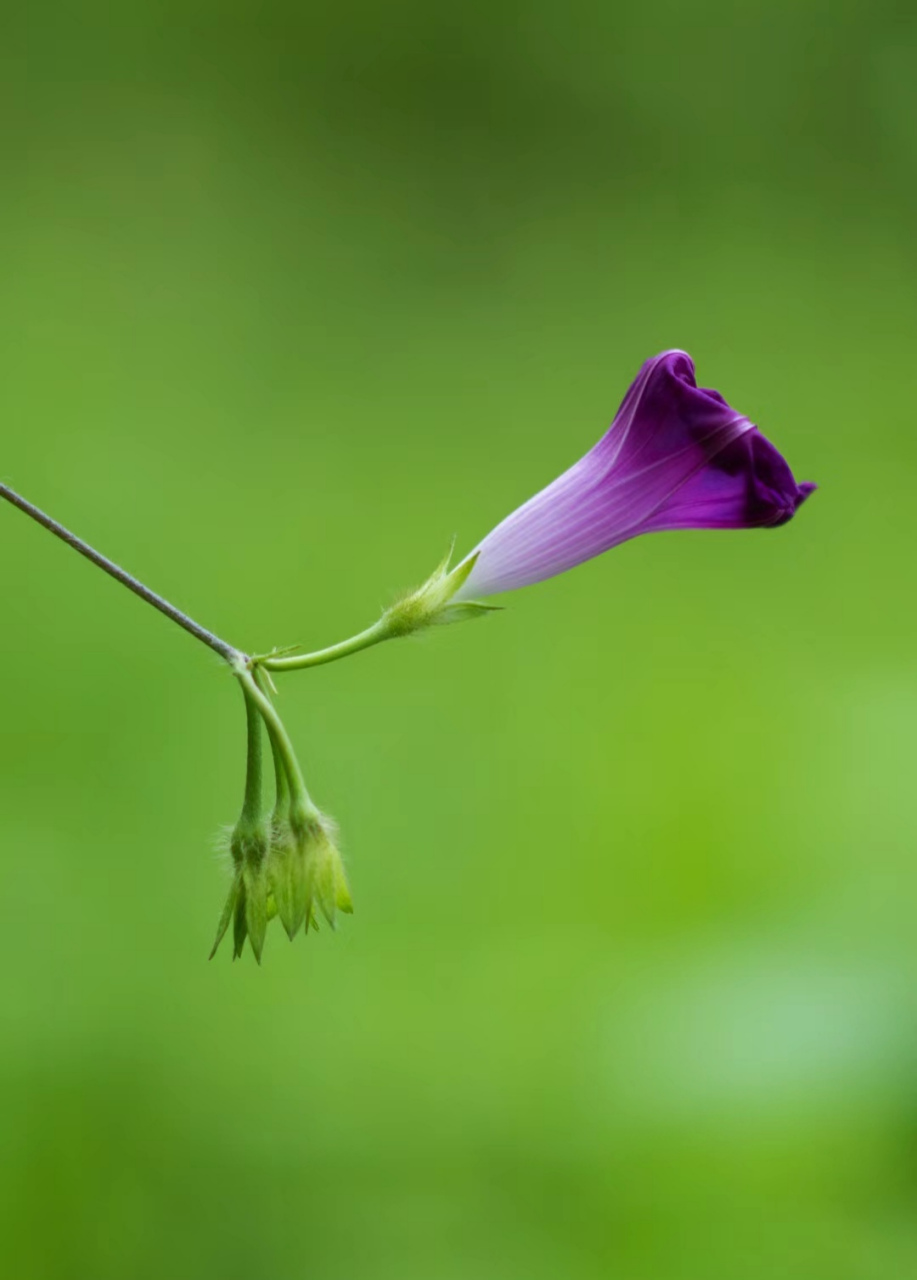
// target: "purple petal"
[[748, 485], [677, 456]]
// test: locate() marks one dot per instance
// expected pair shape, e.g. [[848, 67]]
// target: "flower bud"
[[249, 848], [320, 876], [286, 872], [329, 887], [248, 904]]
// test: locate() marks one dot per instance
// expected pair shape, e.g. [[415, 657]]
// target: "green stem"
[[251, 805], [375, 634], [280, 739], [281, 781]]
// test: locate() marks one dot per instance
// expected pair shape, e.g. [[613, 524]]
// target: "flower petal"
[[676, 456], [749, 485]]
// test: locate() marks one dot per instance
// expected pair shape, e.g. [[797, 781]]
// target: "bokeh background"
[[290, 295]]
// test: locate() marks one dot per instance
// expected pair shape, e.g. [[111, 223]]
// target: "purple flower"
[[677, 456]]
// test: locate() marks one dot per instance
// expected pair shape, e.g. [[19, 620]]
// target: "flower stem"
[[375, 634], [225, 650], [251, 805], [280, 739], [281, 779]]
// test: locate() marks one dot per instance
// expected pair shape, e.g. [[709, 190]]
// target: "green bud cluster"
[[286, 864]]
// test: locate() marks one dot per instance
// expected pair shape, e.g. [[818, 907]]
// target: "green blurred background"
[[291, 295]]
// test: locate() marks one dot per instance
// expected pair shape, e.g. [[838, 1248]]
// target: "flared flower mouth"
[[676, 456]]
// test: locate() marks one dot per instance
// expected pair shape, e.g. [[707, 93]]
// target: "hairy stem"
[[225, 650]]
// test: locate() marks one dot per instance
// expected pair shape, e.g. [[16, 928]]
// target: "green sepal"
[[332, 892], [465, 610], [280, 877], [443, 567], [256, 892], [429, 603], [228, 910], [289, 883], [239, 922], [326, 893], [459, 574], [300, 892]]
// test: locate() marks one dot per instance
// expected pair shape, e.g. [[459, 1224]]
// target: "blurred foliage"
[[291, 294]]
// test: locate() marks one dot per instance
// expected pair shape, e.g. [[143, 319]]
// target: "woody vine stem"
[[126, 579]]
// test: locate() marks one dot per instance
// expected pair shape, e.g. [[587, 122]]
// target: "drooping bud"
[[287, 877], [330, 889], [321, 875], [247, 904], [249, 852]]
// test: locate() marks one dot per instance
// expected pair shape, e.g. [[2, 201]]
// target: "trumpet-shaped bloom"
[[676, 456]]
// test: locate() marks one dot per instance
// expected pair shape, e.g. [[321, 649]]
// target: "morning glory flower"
[[676, 456]]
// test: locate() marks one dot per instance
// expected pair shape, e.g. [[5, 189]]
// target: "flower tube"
[[676, 456]]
